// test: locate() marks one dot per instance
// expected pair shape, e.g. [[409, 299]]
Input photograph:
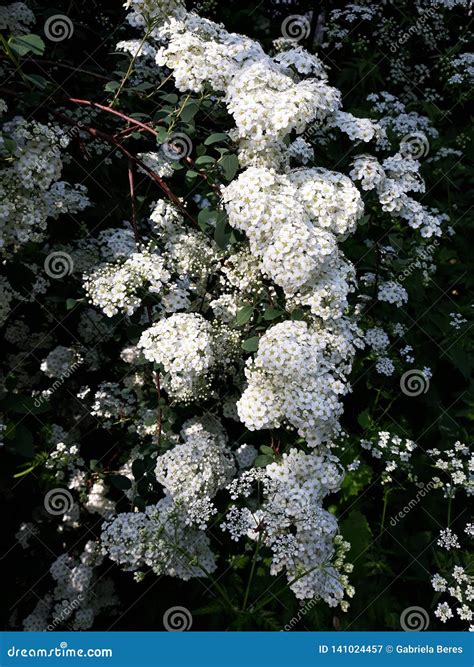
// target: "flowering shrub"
[[234, 313]]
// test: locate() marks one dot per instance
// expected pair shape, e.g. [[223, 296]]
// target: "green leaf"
[[216, 138], [172, 98], [251, 344], [111, 86], [37, 80], [272, 313], [265, 449], [221, 236], [243, 315], [189, 111], [297, 314], [355, 481], [262, 461], [23, 44], [120, 482], [70, 303], [363, 419], [205, 159], [230, 166]]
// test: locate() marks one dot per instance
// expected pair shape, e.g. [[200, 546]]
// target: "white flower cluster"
[[294, 378], [391, 180], [16, 18], [189, 348], [457, 464], [393, 450], [458, 583], [78, 596], [118, 287], [293, 222], [61, 361], [194, 471], [291, 522], [30, 189], [158, 539]]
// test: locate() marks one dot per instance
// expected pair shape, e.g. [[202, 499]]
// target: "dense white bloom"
[[30, 189], [117, 287], [188, 347], [158, 538], [194, 471], [293, 378]]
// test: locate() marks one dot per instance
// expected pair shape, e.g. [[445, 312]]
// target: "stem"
[[98, 134], [252, 571], [384, 511], [130, 68], [450, 506]]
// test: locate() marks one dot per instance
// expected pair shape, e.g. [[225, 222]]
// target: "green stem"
[[252, 572], [384, 511], [450, 507]]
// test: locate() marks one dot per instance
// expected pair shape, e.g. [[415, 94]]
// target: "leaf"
[[363, 419], [138, 469], [263, 460], [111, 86], [70, 303], [243, 315], [216, 138], [221, 237], [355, 481], [230, 166], [251, 344], [272, 313], [37, 80], [172, 98], [297, 314], [189, 111], [205, 159], [265, 449], [23, 44], [120, 482]]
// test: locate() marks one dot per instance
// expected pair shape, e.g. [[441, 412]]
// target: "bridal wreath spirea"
[[216, 330]]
